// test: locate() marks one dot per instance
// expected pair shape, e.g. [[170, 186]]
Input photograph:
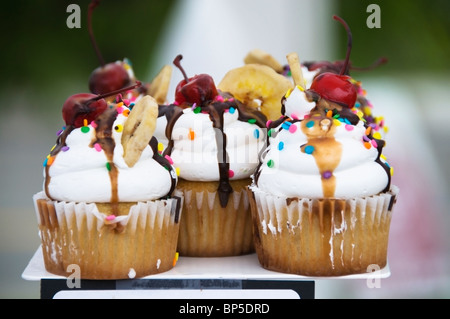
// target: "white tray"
[[240, 267]]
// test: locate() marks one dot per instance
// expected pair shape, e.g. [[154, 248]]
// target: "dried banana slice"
[[253, 82], [296, 70], [257, 56], [138, 129], [160, 84]]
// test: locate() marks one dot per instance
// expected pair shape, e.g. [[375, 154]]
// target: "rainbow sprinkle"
[[118, 128], [167, 157], [97, 147], [293, 128], [160, 148], [309, 149], [286, 125], [175, 259], [327, 175]]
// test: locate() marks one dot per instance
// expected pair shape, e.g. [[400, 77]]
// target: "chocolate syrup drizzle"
[[104, 137], [216, 110]]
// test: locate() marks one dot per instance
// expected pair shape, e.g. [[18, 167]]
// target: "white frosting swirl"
[[336, 159], [197, 145], [296, 105], [79, 173]]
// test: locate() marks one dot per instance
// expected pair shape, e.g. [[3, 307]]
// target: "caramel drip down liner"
[[140, 242], [323, 237], [209, 230]]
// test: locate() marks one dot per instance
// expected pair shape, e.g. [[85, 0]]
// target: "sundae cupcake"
[[322, 197], [214, 141], [108, 203]]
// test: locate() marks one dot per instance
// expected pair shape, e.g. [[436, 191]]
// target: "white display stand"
[[239, 277]]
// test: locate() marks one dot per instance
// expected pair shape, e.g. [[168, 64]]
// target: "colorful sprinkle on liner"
[[110, 218], [175, 259]]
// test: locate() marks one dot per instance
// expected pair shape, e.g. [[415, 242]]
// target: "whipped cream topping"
[[198, 146], [78, 168], [323, 156], [219, 140], [296, 106]]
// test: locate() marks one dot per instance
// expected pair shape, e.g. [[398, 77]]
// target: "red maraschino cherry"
[[107, 77], [81, 109], [337, 88], [198, 89]]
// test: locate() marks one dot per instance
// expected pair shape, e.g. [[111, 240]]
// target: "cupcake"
[[214, 141], [322, 198], [108, 203]]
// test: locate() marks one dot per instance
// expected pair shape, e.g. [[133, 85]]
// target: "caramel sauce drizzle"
[[327, 152]]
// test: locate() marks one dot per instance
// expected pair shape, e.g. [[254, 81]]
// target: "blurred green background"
[[44, 62], [414, 35]]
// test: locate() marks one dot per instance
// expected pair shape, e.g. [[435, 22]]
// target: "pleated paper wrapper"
[[322, 237], [209, 230], [141, 241]]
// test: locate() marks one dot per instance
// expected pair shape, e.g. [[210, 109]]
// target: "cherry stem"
[[102, 96], [344, 69], [374, 65], [177, 63], [92, 6]]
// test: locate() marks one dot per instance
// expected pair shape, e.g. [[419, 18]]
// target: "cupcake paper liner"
[[140, 242], [321, 237], [209, 230]]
